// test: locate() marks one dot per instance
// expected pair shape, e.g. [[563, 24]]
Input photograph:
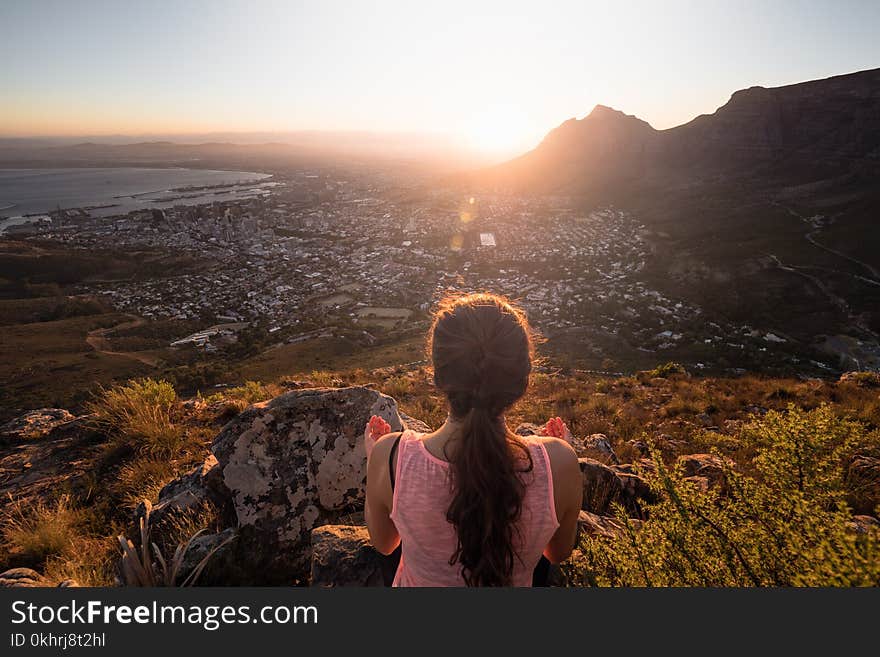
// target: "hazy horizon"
[[493, 77]]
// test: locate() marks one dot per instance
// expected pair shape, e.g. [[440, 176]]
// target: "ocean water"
[[35, 191]]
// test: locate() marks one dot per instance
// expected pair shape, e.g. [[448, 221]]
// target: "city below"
[[365, 256]]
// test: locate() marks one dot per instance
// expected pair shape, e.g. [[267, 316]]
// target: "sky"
[[499, 75]]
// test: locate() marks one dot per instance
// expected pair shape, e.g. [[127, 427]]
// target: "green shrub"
[[139, 412], [666, 370], [788, 525], [250, 392]]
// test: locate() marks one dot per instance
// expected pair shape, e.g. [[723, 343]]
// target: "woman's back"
[[422, 496]]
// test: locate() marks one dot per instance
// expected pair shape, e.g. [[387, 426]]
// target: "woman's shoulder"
[[559, 452], [384, 445]]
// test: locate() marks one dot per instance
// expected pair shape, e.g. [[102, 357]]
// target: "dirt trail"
[[98, 340], [811, 238]]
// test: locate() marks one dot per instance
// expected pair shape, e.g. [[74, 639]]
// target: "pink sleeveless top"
[[422, 495]]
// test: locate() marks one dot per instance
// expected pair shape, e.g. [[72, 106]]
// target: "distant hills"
[[235, 149], [798, 133]]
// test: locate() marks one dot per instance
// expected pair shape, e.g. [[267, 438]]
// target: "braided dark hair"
[[481, 348]]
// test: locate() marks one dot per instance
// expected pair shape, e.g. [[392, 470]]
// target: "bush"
[[666, 370], [788, 525], [39, 531], [139, 412], [250, 393]]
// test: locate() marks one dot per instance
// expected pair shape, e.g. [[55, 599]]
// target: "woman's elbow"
[[386, 547], [557, 555]]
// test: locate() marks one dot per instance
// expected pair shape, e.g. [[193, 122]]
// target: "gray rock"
[[707, 467], [342, 555], [202, 546], [861, 379], [528, 429], [591, 524], [202, 484], [27, 578], [35, 424], [295, 463], [22, 578], [414, 424], [605, 485], [863, 524], [596, 446]]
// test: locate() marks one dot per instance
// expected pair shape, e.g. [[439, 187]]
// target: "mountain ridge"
[[835, 118]]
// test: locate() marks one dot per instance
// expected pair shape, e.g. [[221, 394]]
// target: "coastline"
[[196, 187]]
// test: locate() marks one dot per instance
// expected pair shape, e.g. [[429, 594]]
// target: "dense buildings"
[[329, 250]]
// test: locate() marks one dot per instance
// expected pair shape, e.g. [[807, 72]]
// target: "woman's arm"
[[377, 508], [568, 494]]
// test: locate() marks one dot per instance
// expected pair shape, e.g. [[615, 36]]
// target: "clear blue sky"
[[502, 73]]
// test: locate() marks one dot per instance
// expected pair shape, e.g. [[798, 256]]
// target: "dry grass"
[[34, 532], [139, 413], [140, 478], [89, 561]]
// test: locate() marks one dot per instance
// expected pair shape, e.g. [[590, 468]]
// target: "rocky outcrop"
[[35, 424], [861, 379], [27, 578], [528, 429], [414, 424], [591, 524], [22, 578], [342, 555], [605, 485], [595, 446], [704, 470], [35, 468], [295, 463]]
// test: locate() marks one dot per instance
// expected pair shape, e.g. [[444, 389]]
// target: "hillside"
[[78, 483], [796, 134], [771, 198]]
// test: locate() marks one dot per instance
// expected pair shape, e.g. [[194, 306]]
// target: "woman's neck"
[[442, 442]]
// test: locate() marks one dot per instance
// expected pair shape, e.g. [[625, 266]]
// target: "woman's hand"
[[557, 428], [375, 429]]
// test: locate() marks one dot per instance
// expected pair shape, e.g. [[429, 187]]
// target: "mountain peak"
[[604, 110]]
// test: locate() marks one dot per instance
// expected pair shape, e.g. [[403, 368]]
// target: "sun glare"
[[499, 130]]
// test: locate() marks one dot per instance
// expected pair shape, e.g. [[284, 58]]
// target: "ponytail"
[[487, 498]]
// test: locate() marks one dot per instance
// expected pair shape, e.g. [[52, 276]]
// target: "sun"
[[498, 131]]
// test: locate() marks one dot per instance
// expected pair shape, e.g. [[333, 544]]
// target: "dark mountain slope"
[[800, 133]]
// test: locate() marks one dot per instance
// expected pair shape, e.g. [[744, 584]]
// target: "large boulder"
[[295, 463], [605, 485], [342, 555], [35, 424]]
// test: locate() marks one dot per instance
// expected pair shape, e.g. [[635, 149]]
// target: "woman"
[[472, 503]]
